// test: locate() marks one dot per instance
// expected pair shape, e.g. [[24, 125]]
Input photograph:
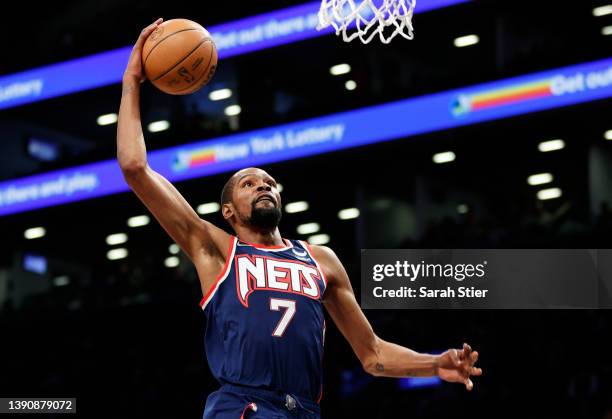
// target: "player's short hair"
[[228, 190]]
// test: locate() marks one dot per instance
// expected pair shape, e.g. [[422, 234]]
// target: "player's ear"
[[227, 210]]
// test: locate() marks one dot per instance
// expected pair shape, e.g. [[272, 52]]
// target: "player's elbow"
[[371, 360], [132, 168], [372, 367]]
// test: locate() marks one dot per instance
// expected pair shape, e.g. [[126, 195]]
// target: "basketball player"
[[263, 294]]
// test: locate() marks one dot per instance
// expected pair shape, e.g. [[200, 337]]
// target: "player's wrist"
[[436, 365], [130, 81]]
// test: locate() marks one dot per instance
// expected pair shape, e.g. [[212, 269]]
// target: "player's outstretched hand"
[[457, 366], [134, 70]]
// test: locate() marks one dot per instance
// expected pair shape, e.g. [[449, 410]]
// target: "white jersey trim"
[[306, 247], [223, 275], [267, 248]]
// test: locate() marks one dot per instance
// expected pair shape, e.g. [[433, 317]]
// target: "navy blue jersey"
[[264, 319]]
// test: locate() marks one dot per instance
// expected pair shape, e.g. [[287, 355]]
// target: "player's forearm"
[[131, 149], [397, 361]]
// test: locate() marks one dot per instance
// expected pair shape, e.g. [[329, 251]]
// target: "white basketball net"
[[388, 20]]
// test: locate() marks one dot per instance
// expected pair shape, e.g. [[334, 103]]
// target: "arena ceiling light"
[[466, 41], [462, 209], [117, 238], [608, 135], [602, 10], [171, 262], [348, 213], [551, 193], [220, 94], [34, 233], [107, 119], [174, 248], [308, 228], [158, 126], [279, 187], [340, 69], [445, 157], [606, 30], [208, 208], [319, 239], [294, 207], [552, 145], [138, 221], [350, 85], [540, 179], [61, 281], [115, 254], [233, 110]]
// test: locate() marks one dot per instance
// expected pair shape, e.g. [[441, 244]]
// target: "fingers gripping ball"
[[179, 57]]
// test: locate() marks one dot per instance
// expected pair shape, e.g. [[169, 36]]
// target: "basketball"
[[179, 57]]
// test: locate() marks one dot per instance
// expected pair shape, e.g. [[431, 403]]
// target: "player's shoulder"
[[318, 248], [323, 254], [330, 263]]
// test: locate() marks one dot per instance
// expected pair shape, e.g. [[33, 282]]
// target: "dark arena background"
[[97, 303]]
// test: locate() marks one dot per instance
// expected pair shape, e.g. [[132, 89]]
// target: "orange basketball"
[[179, 57]]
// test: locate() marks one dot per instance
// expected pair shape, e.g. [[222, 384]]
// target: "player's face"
[[256, 199]]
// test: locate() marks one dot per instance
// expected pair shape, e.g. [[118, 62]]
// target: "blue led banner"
[[470, 105], [234, 38]]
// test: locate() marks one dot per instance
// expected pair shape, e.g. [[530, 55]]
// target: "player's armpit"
[[193, 234]]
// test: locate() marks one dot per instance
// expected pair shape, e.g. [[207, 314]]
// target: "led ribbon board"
[[234, 38], [401, 119]]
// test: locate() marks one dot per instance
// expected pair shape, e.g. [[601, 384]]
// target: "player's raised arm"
[[379, 357], [194, 235]]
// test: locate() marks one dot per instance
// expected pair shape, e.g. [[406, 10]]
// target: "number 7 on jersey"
[[289, 305]]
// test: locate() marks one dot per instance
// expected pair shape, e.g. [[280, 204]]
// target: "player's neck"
[[264, 238]]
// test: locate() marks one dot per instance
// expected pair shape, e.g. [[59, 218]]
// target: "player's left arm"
[[379, 357]]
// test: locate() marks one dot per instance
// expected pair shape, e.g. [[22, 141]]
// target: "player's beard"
[[265, 218]]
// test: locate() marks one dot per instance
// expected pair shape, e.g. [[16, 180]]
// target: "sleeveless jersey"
[[265, 326]]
